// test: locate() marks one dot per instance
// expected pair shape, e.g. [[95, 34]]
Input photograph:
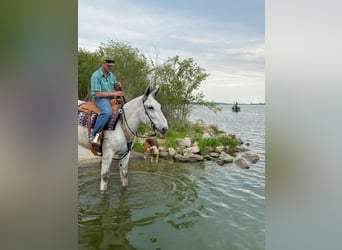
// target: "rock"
[[214, 154], [253, 158], [186, 142], [242, 149], [179, 150], [219, 149], [163, 149], [172, 152], [164, 155], [239, 141], [188, 157], [220, 162], [193, 157], [210, 149], [206, 135], [242, 163], [230, 150], [226, 158], [208, 157], [194, 150], [177, 157]]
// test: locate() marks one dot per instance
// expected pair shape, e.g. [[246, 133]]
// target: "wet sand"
[[87, 159]]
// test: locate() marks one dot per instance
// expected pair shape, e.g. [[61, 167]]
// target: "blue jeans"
[[106, 112]]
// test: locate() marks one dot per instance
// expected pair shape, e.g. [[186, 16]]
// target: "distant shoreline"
[[223, 103]]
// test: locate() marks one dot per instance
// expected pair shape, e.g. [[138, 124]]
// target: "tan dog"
[[151, 148]]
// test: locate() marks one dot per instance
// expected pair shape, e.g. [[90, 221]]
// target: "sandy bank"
[[87, 159]]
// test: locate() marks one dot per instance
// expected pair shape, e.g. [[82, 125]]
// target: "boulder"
[[185, 142], [226, 158], [219, 149], [242, 163], [253, 158], [214, 154], [208, 157], [172, 152], [220, 162], [164, 155], [188, 157], [194, 150], [163, 149]]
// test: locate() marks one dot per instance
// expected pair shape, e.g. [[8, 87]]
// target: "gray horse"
[[141, 110]]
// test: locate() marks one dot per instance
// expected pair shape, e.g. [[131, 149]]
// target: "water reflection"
[[128, 218], [116, 222], [105, 222]]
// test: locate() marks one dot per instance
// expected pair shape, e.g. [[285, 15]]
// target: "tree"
[[180, 81], [88, 62], [131, 67]]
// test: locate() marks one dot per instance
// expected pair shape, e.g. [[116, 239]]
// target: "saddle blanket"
[[110, 125]]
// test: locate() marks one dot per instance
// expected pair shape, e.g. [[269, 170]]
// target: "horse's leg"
[[107, 158], [123, 164]]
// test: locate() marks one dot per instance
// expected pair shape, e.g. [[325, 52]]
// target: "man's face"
[[107, 67]]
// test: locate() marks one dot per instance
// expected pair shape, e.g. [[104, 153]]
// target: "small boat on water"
[[236, 108]]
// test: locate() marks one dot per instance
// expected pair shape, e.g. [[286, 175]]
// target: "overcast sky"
[[225, 37]]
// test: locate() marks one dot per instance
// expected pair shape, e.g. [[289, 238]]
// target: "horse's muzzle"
[[163, 131]]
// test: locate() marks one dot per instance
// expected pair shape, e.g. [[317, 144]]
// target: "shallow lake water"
[[181, 205]]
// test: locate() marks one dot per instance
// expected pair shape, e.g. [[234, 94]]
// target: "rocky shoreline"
[[188, 150]]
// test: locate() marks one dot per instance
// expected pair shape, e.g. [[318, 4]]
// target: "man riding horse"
[[104, 87]]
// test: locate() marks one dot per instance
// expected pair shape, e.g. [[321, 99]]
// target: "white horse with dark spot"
[[141, 110]]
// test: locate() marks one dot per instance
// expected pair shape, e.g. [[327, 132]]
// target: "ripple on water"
[[152, 199]]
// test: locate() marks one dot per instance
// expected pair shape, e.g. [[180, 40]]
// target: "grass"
[[195, 132], [137, 147], [203, 143]]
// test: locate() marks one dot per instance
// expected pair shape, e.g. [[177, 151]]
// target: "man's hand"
[[119, 93]]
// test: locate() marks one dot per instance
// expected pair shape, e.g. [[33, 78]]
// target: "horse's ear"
[[147, 92], [156, 91]]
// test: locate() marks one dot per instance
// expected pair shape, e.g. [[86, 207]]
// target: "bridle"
[[135, 134]]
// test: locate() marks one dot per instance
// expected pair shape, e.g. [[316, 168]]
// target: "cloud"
[[230, 51]]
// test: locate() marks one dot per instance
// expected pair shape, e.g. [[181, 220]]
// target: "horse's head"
[[155, 118]]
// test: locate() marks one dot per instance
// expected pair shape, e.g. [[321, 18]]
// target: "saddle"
[[91, 108]]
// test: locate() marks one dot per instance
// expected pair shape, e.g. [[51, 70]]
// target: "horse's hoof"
[[103, 187]]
